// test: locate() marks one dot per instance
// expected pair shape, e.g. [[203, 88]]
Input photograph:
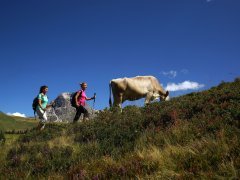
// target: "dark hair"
[[42, 88], [82, 83]]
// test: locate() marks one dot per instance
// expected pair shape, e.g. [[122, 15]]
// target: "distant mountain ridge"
[[15, 123]]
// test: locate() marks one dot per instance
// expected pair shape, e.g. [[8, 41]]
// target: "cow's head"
[[165, 97]]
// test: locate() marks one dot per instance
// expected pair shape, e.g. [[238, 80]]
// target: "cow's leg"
[[148, 98], [121, 100], [118, 100]]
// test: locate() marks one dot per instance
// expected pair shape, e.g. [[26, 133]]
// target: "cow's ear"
[[167, 93]]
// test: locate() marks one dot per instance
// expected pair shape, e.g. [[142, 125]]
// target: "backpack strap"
[[80, 93]]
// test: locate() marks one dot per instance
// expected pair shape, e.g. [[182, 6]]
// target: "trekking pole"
[[93, 102]]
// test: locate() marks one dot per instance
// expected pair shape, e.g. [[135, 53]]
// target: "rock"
[[63, 111]]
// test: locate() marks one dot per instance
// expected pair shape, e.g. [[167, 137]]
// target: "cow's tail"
[[110, 94]]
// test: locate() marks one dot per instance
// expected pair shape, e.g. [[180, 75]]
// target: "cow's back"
[[137, 87], [118, 85]]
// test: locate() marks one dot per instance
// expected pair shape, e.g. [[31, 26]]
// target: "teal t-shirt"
[[44, 100]]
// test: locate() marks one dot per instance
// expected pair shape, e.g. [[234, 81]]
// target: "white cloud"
[[17, 114], [170, 74], [186, 85]]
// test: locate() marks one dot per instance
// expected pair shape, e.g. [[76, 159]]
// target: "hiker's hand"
[[53, 104]]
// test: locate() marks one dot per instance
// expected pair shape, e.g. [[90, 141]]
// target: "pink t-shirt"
[[82, 98]]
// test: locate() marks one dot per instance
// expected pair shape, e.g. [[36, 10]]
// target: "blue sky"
[[189, 45]]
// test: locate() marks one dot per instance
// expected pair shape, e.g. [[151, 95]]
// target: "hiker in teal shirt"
[[44, 101], [42, 107]]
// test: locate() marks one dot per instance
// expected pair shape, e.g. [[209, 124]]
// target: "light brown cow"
[[136, 88]]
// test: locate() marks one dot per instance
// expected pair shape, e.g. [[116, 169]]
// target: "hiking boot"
[[42, 127]]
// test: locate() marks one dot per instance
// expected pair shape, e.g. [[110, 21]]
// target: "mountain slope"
[[8, 123], [192, 136]]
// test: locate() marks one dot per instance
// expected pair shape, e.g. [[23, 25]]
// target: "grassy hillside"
[[193, 136], [15, 123]]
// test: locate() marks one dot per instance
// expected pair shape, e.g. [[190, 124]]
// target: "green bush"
[[116, 135], [39, 159], [51, 131]]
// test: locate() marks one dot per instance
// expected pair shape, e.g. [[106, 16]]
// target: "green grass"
[[9, 143], [196, 136], [8, 123]]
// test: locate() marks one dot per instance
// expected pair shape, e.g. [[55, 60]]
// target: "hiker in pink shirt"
[[80, 99]]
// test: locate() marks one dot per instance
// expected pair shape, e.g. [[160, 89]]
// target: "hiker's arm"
[[91, 98], [40, 104], [49, 105]]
